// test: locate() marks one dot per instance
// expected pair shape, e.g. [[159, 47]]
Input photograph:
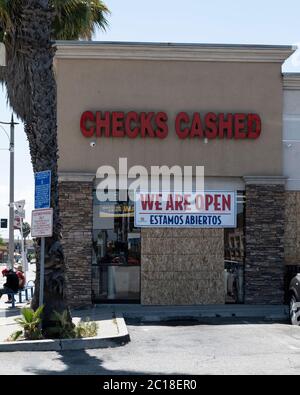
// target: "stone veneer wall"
[[292, 228], [264, 267], [182, 267], [76, 203]]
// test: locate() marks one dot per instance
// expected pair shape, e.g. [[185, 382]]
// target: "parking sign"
[[42, 189]]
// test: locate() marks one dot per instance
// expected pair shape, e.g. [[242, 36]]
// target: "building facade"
[[291, 163], [226, 108]]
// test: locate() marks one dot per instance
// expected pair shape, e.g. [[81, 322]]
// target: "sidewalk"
[[106, 320], [112, 331], [7, 314], [168, 313]]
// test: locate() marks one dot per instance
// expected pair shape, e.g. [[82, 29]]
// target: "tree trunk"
[[41, 130]]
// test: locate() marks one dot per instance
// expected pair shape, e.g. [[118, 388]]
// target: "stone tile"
[[213, 233], [153, 276], [188, 263], [188, 246], [157, 246], [187, 277], [265, 213], [197, 293], [157, 263], [159, 293], [157, 233], [188, 233], [216, 262], [76, 214]]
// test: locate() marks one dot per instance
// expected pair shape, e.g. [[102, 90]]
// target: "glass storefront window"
[[116, 252], [234, 243]]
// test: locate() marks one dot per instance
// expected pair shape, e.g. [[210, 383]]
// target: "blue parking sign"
[[42, 189]]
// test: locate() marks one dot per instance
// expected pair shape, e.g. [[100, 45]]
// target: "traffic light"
[[3, 223]]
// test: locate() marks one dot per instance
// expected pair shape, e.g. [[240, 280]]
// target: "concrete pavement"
[[240, 348]]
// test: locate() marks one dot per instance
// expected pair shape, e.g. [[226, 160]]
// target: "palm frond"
[[38, 312], [28, 315], [77, 19]]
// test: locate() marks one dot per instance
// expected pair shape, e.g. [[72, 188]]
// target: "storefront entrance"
[[116, 265], [116, 253], [234, 254]]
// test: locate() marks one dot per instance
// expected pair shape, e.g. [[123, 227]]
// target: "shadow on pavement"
[[7, 313], [214, 321], [82, 363]]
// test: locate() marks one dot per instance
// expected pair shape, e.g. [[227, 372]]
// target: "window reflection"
[[234, 243], [116, 252]]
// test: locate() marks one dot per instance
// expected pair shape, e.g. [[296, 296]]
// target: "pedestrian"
[[21, 277], [12, 284]]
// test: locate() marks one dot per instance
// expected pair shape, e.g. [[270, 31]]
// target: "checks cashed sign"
[[187, 210]]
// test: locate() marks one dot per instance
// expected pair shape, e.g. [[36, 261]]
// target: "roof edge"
[[291, 81], [173, 51]]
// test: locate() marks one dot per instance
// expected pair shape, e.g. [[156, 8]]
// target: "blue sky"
[[214, 21]]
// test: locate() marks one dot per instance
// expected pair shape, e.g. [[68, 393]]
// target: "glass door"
[[116, 253], [234, 243]]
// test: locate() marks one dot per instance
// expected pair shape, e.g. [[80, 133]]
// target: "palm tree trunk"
[[42, 135], [2, 74]]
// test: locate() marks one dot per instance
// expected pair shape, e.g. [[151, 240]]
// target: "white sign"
[[20, 212], [2, 55], [17, 223], [20, 205], [185, 210], [42, 223]]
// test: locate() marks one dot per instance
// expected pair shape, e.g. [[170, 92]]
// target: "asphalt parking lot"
[[239, 347]]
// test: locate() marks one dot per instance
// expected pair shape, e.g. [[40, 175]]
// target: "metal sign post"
[[24, 258], [20, 213], [42, 227], [42, 272], [42, 220]]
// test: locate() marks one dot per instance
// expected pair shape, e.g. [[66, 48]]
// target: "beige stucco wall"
[[170, 86]]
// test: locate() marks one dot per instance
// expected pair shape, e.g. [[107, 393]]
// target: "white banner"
[[187, 210]]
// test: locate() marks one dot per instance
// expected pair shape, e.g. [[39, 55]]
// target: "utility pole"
[[11, 139], [11, 193]]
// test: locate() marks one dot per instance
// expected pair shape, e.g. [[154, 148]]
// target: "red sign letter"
[[87, 116], [103, 124], [130, 118], [161, 120], [254, 126], [182, 117]]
